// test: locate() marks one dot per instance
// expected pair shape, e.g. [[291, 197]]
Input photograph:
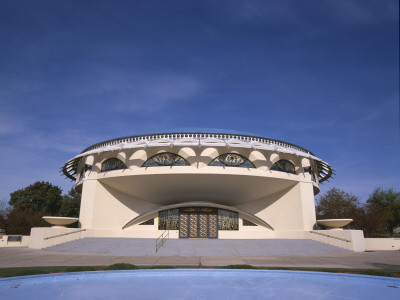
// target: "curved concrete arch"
[[186, 152], [305, 162], [250, 217], [273, 158], [139, 154], [210, 153], [257, 155], [122, 156], [89, 160], [118, 155], [258, 159]]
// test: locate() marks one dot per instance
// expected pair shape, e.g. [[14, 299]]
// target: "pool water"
[[199, 284]]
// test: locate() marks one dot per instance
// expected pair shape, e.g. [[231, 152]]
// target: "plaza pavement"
[[197, 247], [331, 258]]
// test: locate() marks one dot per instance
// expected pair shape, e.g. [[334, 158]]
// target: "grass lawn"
[[22, 271]]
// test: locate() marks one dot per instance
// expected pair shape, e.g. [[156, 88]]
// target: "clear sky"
[[320, 74]]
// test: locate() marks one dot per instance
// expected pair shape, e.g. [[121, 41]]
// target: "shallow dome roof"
[[197, 137]]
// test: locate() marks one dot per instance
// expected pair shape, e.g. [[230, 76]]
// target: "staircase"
[[197, 247]]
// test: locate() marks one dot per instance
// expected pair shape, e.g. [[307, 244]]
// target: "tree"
[[20, 220], [374, 221], [337, 204], [39, 197], [30, 204], [388, 201], [70, 204]]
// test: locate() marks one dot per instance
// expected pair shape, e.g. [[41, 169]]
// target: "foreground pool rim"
[[187, 283]]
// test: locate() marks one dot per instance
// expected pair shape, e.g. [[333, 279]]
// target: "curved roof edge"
[[143, 216], [197, 139], [189, 134]]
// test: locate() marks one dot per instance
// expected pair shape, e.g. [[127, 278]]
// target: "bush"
[[121, 266]]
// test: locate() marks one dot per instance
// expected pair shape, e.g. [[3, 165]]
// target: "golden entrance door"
[[193, 225], [183, 225], [213, 225], [198, 222]]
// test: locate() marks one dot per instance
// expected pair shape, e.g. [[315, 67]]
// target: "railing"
[[174, 136], [330, 236], [161, 238], [58, 235]]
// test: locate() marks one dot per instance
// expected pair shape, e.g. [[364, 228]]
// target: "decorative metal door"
[[193, 226], [203, 225], [183, 225], [198, 222], [213, 225]]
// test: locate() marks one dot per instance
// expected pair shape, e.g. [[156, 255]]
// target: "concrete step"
[[197, 247]]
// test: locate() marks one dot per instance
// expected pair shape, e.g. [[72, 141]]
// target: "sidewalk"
[[26, 257]]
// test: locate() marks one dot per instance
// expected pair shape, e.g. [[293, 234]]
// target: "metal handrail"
[[160, 243], [58, 235], [330, 236]]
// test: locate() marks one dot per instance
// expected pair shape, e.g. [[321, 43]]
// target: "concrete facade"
[[266, 183], [112, 199]]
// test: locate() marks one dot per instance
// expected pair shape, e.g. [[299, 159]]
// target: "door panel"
[[198, 223], [193, 225], [213, 226], [183, 225], [203, 225]]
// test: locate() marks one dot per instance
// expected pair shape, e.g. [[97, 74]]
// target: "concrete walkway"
[[26, 257], [197, 247]]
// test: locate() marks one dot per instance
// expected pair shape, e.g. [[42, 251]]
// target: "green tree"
[[337, 204], [374, 221], [30, 204], [19, 220], [40, 197], [388, 201], [70, 204]]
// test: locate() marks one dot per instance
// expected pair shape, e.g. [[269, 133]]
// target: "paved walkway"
[[197, 247], [26, 257]]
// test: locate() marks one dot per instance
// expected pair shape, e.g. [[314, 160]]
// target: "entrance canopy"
[[147, 215]]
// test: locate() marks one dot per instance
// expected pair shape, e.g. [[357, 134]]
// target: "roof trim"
[[180, 135], [198, 139]]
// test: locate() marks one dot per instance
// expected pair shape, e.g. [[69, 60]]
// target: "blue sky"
[[320, 74]]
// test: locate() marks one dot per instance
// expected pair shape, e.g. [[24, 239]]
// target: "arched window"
[[284, 166], [231, 160], [112, 164], [168, 219], [166, 159], [228, 220]]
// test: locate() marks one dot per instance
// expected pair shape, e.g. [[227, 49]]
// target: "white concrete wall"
[[105, 208], [140, 234], [23, 243], [372, 244], [111, 199], [289, 210], [39, 234], [355, 238]]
